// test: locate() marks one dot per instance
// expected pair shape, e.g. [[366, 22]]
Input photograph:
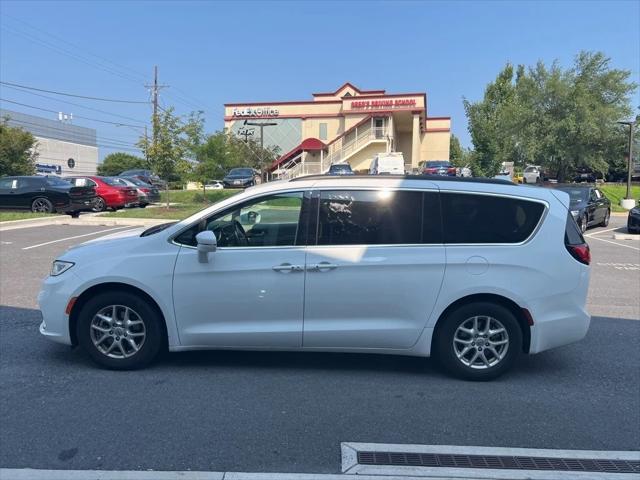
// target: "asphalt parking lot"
[[241, 411]]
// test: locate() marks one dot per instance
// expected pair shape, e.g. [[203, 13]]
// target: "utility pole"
[[155, 89], [261, 125]]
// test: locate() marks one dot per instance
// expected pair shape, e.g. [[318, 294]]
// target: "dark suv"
[[46, 195]]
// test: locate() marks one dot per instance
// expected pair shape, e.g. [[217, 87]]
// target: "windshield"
[[341, 167], [576, 194], [135, 181], [241, 172]]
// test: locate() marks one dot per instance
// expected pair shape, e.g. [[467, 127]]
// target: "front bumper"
[[236, 183], [633, 223], [53, 299]]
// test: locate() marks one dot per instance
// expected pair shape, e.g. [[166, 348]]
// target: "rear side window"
[[476, 218], [378, 217], [572, 233]]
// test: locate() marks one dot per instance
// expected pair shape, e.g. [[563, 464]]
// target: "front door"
[[375, 273], [251, 291]]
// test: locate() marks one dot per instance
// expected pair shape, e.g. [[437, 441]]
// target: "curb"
[[33, 474], [626, 236]]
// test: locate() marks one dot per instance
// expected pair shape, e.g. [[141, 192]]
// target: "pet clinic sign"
[[255, 112]]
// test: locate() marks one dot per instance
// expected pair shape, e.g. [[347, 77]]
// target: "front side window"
[[57, 182], [265, 222], [379, 217], [477, 218]]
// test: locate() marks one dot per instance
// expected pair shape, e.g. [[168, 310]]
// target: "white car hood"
[[125, 233]]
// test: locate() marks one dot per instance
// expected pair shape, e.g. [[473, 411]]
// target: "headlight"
[[575, 213], [58, 267]]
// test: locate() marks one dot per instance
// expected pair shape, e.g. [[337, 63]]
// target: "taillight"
[[145, 190], [580, 252]]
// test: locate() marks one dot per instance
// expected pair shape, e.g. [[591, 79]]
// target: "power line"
[[86, 136], [39, 30], [78, 105], [117, 124], [72, 95], [73, 55]]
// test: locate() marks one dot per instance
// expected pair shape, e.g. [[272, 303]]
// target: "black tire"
[[154, 340], [99, 205], [42, 205], [524, 180], [445, 352], [143, 205], [605, 222], [74, 214]]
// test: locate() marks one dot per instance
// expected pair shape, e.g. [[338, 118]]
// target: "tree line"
[[562, 119]]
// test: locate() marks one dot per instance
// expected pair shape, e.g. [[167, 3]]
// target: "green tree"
[[115, 163], [560, 119], [17, 150], [457, 155]]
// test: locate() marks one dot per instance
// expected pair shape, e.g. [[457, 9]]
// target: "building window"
[[323, 131]]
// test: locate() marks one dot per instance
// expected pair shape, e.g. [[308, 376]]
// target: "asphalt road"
[[240, 411]]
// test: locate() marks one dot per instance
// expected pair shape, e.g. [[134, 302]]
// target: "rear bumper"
[[559, 331], [84, 205]]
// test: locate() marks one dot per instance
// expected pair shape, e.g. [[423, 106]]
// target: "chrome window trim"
[[427, 188]]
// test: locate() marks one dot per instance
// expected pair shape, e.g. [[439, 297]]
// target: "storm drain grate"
[[498, 462]]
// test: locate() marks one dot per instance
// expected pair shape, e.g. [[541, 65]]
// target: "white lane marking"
[[76, 236], [615, 243], [6, 243], [601, 231]]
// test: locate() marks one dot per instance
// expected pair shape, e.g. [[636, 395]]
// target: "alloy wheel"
[[481, 342], [583, 224], [117, 331], [41, 205], [99, 205]]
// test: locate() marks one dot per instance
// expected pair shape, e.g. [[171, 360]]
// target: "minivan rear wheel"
[[478, 341], [120, 330]]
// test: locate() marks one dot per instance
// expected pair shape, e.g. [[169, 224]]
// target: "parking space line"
[[77, 236], [615, 243], [600, 231]]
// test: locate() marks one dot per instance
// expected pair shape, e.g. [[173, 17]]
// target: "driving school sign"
[[385, 103], [255, 112]]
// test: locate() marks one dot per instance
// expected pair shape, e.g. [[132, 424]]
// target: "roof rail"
[[431, 178]]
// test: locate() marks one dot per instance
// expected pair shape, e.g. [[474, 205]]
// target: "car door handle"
[[287, 267], [322, 267]]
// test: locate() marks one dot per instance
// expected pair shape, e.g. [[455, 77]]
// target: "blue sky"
[[216, 52]]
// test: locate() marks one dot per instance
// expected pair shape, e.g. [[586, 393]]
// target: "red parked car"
[[110, 193], [438, 167]]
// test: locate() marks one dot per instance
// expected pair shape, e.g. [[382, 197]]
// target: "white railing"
[[340, 150], [299, 169]]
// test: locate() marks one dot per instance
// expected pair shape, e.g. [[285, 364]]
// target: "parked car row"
[[73, 195]]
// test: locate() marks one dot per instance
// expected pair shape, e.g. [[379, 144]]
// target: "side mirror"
[[207, 243]]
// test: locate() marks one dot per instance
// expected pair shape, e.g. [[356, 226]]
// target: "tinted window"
[[471, 218], [8, 183], [265, 222], [30, 182], [241, 171], [57, 182], [572, 233], [375, 217], [576, 194]]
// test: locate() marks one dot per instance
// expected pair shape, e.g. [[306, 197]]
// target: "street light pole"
[[261, 125], [630, 151]]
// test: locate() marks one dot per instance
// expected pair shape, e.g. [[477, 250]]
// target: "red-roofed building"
[[347, 125]]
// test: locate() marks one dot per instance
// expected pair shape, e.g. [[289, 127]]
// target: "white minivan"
[[391, 163], [472, 271]]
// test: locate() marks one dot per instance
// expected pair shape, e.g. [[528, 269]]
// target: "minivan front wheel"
[[478, 341], [120, 330]]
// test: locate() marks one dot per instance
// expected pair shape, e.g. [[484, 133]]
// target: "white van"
[[472, 271], [391, 163]]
